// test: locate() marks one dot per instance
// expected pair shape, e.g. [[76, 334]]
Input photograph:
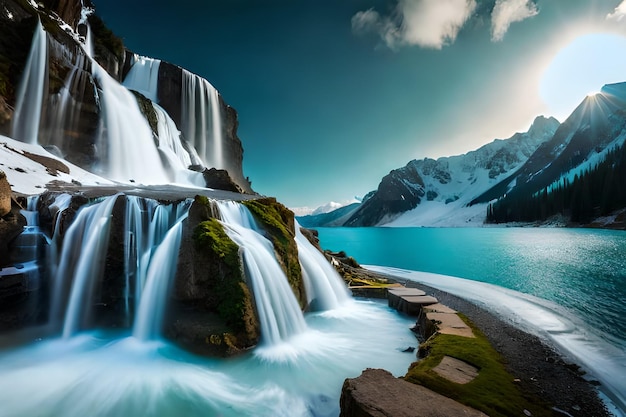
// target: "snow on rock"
[[29, 168]]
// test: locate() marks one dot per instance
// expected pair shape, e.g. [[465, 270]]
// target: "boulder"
[[5, 195], [219, 179], [377, 393]]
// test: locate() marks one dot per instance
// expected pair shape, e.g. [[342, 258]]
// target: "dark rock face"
[[219, 179], [376, 393], [399, 191], [68, 10]]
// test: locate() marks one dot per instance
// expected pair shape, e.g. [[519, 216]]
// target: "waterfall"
[[84, 15], [26, 118], [159, 279], [126, 135], [151, 239], [64, 123], [179, 156], [82, 259], [144, 77], [278, 309], [147, 224], [201, 122], [325, 289]]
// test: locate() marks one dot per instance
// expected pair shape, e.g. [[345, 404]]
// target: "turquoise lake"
[[583, 270], [568, 286]]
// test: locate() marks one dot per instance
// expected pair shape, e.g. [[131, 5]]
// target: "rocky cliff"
[[72, 110]]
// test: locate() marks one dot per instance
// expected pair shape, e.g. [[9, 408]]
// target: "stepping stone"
[[455, 370], [412, 304], [439, 308], [378, 393], [450, 324], [405, 291]]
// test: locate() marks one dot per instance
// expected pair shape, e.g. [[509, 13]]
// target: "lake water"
[[571, 283]]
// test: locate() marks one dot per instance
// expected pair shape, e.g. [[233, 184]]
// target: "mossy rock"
[[492, 391], [233, 300], [278, 221], [146, 108]]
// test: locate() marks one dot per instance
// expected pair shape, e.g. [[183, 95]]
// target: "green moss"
[[492, 391], [145, 105], [232, 292], [278, 221]]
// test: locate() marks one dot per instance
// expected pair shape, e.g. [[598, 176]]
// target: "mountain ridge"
[[449, 180]]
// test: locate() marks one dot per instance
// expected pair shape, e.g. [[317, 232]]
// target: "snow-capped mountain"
[[580, 164], [432, 192]]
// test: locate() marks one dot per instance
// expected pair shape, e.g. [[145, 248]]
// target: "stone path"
[[434, 317]]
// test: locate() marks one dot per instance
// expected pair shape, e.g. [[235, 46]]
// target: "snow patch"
[[27, 176]]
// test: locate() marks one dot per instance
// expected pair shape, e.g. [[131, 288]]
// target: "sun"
[[580, 69]]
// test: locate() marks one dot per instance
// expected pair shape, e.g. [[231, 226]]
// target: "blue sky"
[[333, 94]]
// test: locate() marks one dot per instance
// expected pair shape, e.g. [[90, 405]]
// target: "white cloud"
[[425, 23], [506, 12], [619, 12]]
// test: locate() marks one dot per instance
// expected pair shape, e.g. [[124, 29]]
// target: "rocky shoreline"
[[541, 370]]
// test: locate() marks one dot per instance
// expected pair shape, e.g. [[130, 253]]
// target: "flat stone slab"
[[456, 370], [377, 393], [448, 323], [438, 308], [401, 291], [411, 304]]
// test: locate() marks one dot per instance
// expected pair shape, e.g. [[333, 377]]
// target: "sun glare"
[[580, 69]]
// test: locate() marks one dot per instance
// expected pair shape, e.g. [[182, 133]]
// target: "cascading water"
[[159, 276], [82, 261], [92, 373], [147, 225], [143, 76], [27, 249], [150, 255], [324, 287], [27, 116], [126, 135], [64, 120], [202, 119], [179, 157], [278, 309]]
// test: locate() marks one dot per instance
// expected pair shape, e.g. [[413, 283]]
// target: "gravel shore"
[[540, 369]]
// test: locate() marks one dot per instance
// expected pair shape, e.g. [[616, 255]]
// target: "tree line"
[[597, 191]]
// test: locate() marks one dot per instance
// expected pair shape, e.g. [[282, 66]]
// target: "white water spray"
[[278, 309], [27, 116]]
